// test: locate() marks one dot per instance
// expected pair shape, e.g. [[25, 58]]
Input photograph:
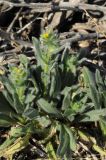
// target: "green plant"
[[45, 99], [96, 89]]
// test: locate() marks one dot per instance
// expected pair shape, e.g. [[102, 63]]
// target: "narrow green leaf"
[[29, 98], [90, 82], [31, 113], [6, 121], [38, 52], [55, 82], [88, 76], [94, 115], [17, 104], [64, 142], [98, 78], [73, 144], [95, 96], [48, 107], [102, 123], [5, 106], [67, 97], [8, 97]]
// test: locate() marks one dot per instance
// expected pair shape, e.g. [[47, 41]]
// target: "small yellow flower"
[[2, 71], [17, 70], [45, 35]]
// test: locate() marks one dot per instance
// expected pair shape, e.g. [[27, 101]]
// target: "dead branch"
[[39, 7], [46, 7], [82, 37], [12, 38], [80, 6], [15, 18]]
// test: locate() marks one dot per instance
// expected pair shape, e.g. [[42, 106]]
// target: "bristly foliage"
[[48, 99]]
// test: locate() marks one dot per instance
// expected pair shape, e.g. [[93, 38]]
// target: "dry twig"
[[46, 7]]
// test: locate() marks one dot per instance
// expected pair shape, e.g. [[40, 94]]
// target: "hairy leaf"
[[48, 107], [72, 138], [90, 82], [64, 142]]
